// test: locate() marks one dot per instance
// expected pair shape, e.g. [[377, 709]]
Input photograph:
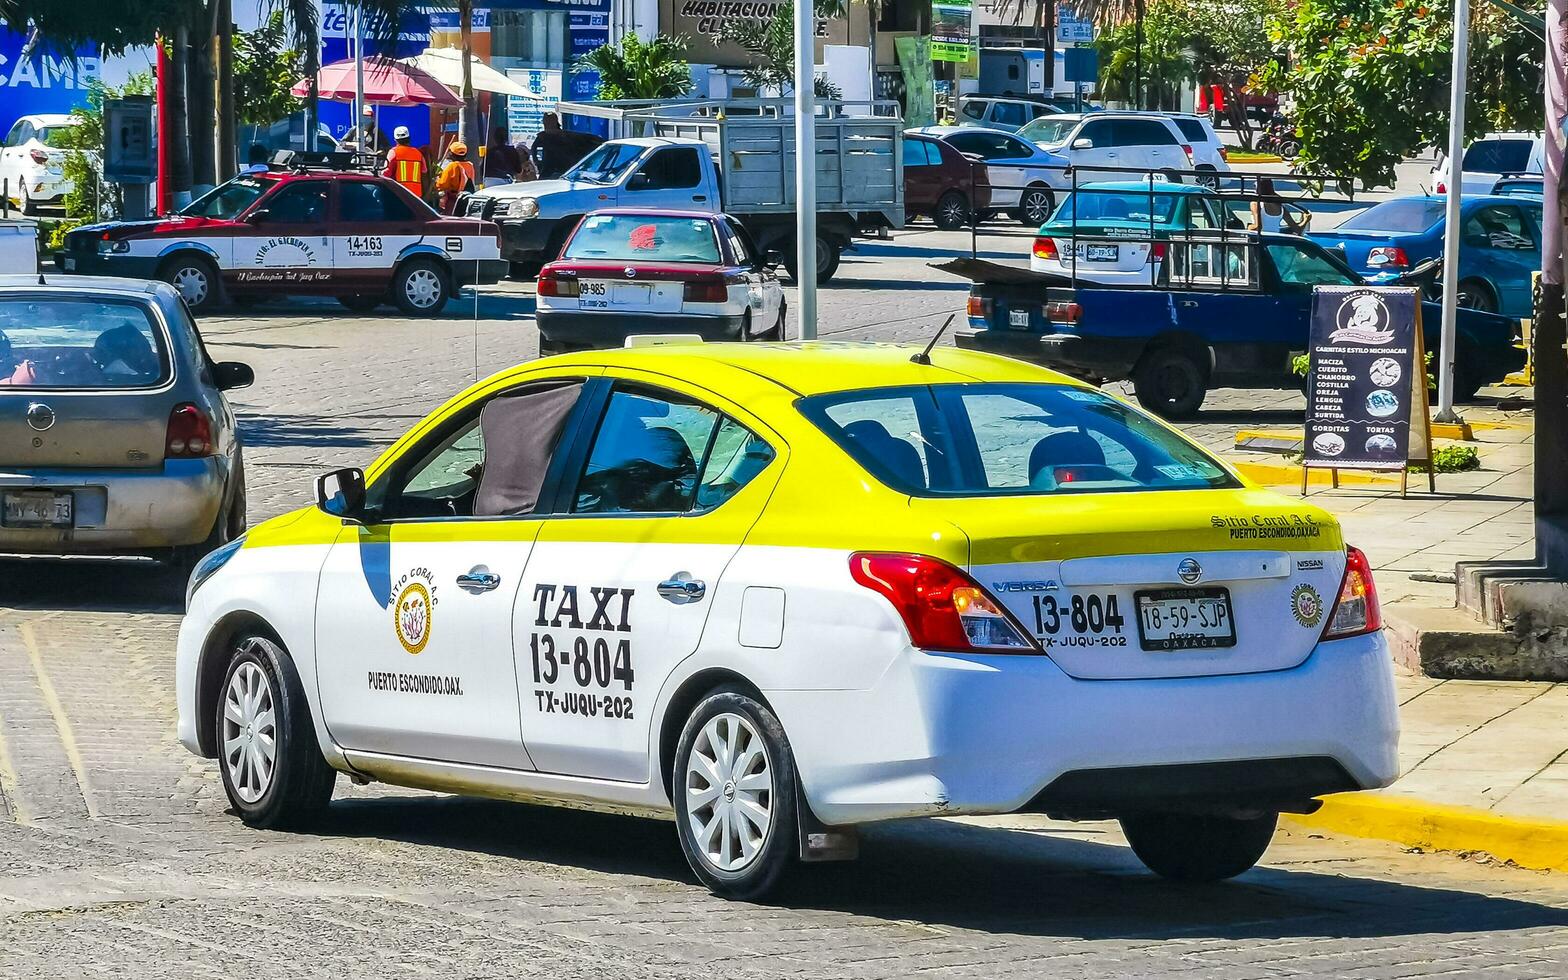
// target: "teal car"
[[1111, 232]]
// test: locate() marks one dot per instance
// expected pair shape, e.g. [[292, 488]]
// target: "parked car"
[[1209, 156], [1124, 140], [1024, 178], [1001, 112], [115, 436], [1520, 185], [1115, 232], [1499, 245], [1488, 158], [358, 237], [32, 161], [1231, 314], [627, 271], [942, 183]]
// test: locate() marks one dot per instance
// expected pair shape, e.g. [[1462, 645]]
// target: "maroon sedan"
[[943, 183]]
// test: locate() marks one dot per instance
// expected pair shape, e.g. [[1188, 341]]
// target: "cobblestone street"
[[118, 858]]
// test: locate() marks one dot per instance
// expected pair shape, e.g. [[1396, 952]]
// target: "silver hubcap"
[[192, 284], [1035, 207], [249, 732], [423, 288], [729, 792]]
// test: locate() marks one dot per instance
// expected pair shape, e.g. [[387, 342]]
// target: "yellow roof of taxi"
[[822, 367]]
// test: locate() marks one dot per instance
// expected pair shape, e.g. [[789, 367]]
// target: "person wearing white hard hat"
[[406, 165], [367, 137]]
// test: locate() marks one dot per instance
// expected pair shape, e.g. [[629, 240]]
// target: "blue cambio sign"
[[46, 81]]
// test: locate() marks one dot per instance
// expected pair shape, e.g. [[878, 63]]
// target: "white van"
[[1489, 158]]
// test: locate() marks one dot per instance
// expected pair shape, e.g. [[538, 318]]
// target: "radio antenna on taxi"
[[924, 357]]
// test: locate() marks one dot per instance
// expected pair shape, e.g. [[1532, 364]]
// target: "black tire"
[[299, 784], [362, 302], [1170, 382], [828, 256], [421, 287], [777, 848], [228, 525], [196, 280], [29, 206], [1198, 847], [1035, 206], [1475, 294], [952, 211]]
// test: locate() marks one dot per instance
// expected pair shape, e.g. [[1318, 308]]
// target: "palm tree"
[[635, 69]]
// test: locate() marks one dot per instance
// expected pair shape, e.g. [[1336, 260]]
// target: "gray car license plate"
[[1102, 253], [31, 508], [1185, 619], [1018, 318]]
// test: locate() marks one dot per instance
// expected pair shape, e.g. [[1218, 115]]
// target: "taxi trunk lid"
[[1164, 584]]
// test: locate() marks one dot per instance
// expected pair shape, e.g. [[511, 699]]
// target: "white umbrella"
[[446, 66]]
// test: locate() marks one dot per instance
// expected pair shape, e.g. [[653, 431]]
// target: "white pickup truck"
[[860, 185]]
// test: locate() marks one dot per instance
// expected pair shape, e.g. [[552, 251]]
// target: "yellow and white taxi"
[[780, 591]]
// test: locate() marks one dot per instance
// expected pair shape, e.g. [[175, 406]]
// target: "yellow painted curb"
[[1537, 844], [1277, 474], [1242, 156]]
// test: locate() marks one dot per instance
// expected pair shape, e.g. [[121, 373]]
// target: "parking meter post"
[[1456, 152], [806, 169]]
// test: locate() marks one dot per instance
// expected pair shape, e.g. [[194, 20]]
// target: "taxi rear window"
[[643, 237], [977, 440]]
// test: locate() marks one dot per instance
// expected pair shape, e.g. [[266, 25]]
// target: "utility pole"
[[359, 74], [223, 53], [1456, 179], [806, 167]]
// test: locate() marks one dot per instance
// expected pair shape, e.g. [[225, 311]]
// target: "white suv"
[[1128, 140], [1208, 153], [1004, 114], [1491, 156]]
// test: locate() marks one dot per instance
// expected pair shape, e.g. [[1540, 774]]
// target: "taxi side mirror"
[[341, 493], [257, 217]]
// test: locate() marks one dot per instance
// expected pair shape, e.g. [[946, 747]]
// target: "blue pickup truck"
[[1231, 313]]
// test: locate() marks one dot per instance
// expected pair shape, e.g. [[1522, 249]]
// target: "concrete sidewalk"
[[1484, 764]]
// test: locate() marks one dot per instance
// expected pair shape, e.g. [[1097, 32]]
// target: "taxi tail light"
[[942, 608], [705, 291], [1157, 252], [1391, 257], [1044, 248], [1356, 610], [190, 434], [39, 156], [551, 284], [979, 307]]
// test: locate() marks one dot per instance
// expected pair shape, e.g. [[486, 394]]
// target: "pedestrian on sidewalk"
[[407, 165], [457, 176]]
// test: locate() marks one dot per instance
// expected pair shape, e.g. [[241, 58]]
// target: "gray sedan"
[[115, 436]]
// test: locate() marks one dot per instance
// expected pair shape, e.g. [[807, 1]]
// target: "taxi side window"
[[490, 464], [659, 453], [298, 202], [362, 201], [887, 436]]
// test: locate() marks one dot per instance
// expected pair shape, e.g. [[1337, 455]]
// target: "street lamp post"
[[1456, 179], [806, 168]]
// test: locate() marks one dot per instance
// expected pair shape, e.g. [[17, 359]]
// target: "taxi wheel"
[[734, 787], [29, 206], [268, 757], [1198, 847], [195, 278], [1170, 383], [421, 288]]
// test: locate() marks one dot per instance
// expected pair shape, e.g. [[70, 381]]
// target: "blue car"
[[1500, 245]]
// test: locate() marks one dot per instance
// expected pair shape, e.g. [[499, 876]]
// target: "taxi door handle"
[[682, 588], [478, 579]]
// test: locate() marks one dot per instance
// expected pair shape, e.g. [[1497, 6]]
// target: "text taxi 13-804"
[[781, 591], [358, 237]]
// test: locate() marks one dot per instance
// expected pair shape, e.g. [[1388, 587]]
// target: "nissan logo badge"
[[1189, 570], [630, 272]]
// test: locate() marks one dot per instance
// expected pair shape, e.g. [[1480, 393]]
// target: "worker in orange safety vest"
[[406, 164]]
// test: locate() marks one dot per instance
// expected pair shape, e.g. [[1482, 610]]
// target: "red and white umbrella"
[[387, 82]]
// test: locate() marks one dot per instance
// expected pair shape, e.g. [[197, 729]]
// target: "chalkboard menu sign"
[[1367, 379]]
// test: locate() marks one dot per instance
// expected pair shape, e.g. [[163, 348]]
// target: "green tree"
[[265, 68], [1369, 80], [1232, 45], [771, 44], [84, 148], [636, 69], [1165, 56]]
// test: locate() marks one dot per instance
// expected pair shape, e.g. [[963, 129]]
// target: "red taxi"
[[358, 237]]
